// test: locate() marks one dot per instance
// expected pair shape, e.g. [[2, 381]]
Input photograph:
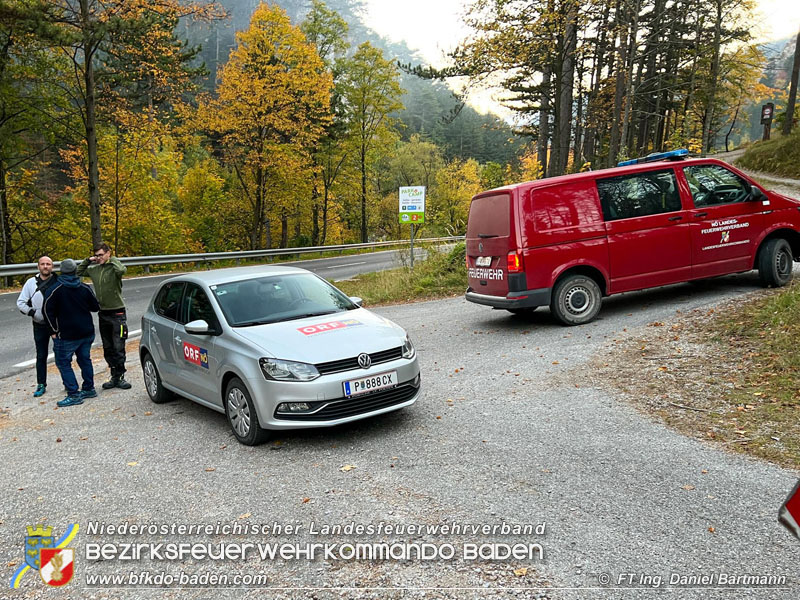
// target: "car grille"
[[348, 364], [348, 407]]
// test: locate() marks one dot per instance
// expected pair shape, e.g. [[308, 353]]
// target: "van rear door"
[[490, 237]]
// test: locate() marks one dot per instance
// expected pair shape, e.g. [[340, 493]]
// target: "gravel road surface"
[[498, 437]]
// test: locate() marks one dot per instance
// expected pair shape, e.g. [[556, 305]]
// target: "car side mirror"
[[356, 300], [199, 327], [757, 195]]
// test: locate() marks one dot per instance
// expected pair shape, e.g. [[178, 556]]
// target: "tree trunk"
[[543, 140], [619, 88], [567, 82], [787, 124], [5, 220], [91, 125], [315, 211], [629, 89], [325, 196], [711, 90], [364, 236]]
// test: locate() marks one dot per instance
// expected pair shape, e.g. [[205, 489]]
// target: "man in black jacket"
[[68, 309]]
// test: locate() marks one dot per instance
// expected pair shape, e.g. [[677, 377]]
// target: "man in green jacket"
[[106, 273]]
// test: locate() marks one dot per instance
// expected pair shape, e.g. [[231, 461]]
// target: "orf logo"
[[364, 361], [57, 566], [195, 355]]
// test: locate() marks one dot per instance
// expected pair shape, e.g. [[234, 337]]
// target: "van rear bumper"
[[523, 299]]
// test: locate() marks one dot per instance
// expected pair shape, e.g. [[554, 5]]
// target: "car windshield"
[[271, 299]]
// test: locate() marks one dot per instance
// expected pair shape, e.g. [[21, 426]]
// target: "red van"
[[568, 241]]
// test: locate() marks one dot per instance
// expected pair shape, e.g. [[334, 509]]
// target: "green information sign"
[[412, 204]]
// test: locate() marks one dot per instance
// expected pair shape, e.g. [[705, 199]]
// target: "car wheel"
[[242, 414], [152, 381], [576, 300], [775, 263]]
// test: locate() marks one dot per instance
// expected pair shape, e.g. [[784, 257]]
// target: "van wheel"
[[576, 300], [242, 416], [775, 263]]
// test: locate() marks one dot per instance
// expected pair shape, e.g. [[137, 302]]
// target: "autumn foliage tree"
[[272, 105]]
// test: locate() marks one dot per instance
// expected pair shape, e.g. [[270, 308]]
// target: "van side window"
[[712, 185], [649, 193]]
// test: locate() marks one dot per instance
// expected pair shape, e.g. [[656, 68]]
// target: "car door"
[[199, 364], [725, 222], [647, 228], [166, 309]]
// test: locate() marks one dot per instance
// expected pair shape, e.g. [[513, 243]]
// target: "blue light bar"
[[656, 156]]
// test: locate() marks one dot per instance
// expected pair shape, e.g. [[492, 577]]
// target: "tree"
[[91, 33], [327, 31], [787, 124], [272, 105], [372, 92]]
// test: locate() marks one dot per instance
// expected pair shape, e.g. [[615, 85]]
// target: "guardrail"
[[31, 268]]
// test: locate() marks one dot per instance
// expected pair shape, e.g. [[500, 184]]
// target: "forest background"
[[171, 126]]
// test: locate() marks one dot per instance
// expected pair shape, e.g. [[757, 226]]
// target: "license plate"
[[483, 261], [381, 381]]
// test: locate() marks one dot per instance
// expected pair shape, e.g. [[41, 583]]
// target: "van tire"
[[775, 263], [576, 300]]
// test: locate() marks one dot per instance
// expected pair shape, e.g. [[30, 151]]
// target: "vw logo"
[[480, 247], [364, 361]]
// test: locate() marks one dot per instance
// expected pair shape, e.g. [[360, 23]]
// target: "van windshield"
[[489, 217]]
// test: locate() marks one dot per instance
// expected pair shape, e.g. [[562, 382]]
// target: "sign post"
[[767, 113], [412, 209]]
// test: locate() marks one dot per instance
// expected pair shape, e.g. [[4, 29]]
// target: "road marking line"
[[347, 265], [50, 357]]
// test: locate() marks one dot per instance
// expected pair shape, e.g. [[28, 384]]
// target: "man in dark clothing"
[[30, 302], [68, 309], [106, 273]]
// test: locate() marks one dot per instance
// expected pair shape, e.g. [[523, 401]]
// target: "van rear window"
[[639, 195], [489, 216]]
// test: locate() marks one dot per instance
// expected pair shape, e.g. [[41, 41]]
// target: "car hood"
[[325, 338]]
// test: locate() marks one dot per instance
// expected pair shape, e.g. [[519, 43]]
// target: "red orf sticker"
[[195, 354], [789, 514], [329, 326], [57, 565]]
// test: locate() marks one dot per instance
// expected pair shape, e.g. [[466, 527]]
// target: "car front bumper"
[[325, 395]]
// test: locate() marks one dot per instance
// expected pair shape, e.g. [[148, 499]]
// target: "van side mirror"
[[756, 194], [356, 300]]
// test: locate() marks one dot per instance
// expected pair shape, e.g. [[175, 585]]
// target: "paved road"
[[498, 437], [16, 340]]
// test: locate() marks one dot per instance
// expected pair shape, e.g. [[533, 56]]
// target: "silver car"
[[274, 348]]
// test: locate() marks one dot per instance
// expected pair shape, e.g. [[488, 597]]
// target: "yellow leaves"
[[346, 468]]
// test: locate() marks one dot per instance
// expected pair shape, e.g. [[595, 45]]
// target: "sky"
[[434, 27]]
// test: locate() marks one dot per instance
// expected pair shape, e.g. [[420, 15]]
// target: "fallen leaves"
[[346, 468]]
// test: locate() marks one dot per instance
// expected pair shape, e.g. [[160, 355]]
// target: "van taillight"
[[514, 262]]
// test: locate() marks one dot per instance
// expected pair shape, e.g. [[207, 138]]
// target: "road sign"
[[767, 113], [412, 204]]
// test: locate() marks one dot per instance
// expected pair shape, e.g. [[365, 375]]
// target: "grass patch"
[[442, 274], [765, 399], [780, 156]]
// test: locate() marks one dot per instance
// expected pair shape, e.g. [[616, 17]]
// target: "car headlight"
[[408, 349], [287, 370]]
